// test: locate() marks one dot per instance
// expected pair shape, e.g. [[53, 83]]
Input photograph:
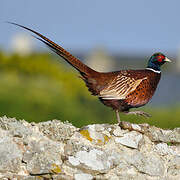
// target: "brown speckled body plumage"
[[120, 90], [140, 95]]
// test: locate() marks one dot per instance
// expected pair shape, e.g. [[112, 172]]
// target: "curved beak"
[[167, 60]]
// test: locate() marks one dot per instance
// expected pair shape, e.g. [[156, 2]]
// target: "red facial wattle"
[[160, 58]]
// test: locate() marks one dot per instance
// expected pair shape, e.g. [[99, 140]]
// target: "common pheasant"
[[120, 90]]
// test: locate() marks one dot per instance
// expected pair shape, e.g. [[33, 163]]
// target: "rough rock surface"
[[56, 150]]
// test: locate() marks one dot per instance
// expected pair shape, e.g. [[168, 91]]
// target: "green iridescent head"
[[157, 60]]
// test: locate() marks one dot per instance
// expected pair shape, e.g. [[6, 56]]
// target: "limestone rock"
[[130, 139], [57, 150], [95, 159], [150, 164], [10, 154], [83, 176]]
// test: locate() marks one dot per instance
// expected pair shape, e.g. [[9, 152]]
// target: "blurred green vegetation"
[[40, 87]]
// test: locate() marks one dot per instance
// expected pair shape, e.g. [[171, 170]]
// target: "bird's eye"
[[160, 58]]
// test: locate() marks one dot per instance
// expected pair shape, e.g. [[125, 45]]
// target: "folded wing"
[[120, 87]]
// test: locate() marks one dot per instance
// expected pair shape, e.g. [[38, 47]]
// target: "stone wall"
[[56, 150]]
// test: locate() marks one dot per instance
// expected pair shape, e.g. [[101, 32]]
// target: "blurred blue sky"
[[121, 26]]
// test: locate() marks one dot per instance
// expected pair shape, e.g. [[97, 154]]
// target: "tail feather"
[[76, 63]]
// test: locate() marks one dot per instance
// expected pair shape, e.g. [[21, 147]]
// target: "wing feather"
[[120, 87]]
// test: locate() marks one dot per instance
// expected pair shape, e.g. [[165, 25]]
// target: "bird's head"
[[157, 60]]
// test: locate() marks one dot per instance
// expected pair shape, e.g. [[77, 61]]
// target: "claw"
[[140, 113]]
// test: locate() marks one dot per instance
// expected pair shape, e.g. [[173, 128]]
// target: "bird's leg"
[[140, 113], [117, 115]]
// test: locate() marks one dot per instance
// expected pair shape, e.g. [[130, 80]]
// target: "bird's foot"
[[140, 113], [141, 128]]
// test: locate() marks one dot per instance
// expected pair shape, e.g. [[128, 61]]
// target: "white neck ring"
[[153, 70]]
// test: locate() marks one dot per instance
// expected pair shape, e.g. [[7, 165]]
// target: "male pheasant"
[[120, 90]]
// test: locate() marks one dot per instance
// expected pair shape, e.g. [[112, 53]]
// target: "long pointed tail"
[[76, 63]]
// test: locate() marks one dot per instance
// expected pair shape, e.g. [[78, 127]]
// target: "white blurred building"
[[22, 43], [99, 60]]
